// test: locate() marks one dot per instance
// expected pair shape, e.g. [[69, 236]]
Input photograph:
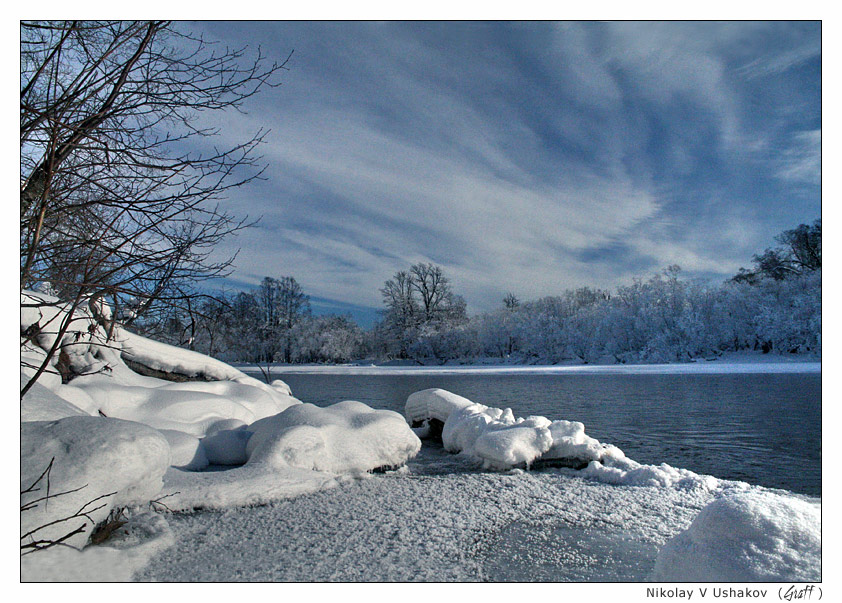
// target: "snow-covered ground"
[[113, 445]]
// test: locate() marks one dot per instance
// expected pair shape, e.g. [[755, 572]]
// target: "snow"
[[347, 437], [499, 440], [227, 446], [433, 403], [187, 452], [42, 404], [194, 407], [91, 457], [747, 537], [129, 550], [227, 440], [250, 484], [430, 524]]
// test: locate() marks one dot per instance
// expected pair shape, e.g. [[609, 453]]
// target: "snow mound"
[[496, 439], [347, 437], [92, 457], [433, 403], [747, 537], [193, 407], [186, 451], [42, 404]]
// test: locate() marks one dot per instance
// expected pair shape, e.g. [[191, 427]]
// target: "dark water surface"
[[764, 429]]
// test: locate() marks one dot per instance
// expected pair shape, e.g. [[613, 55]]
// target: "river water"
[[764, 429], [442, 519]]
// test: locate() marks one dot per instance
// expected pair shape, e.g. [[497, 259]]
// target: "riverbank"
[[732, 363]]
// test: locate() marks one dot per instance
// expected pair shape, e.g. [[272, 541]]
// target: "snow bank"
[[171, 359], [347, 437], [120, 461], [747, 537], [104, 384], [192, 407], [129, 550], [749, 364], [42, 404], [498, 439]]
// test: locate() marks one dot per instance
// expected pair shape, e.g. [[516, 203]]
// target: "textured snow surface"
[[437, 521], [748, 537], [94, 456]]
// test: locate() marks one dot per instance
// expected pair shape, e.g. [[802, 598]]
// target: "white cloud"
[[503, 162], [801, 162]]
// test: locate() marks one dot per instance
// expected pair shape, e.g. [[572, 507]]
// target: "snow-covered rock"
[[497, 438], [433, 403], [747, 537], [120, 463], [347, 437]]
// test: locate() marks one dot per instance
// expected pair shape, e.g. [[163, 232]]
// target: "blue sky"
[[525, 157]]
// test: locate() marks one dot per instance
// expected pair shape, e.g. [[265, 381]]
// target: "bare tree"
[[432, 287], [419, 301], [120, 182]]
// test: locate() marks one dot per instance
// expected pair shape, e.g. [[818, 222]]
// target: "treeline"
[[773, 307]]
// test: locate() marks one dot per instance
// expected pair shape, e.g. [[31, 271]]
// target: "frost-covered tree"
[[333, 339], [282, 304], [420, 305]]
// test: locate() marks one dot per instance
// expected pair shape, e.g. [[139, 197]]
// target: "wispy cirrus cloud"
[[527, 156]]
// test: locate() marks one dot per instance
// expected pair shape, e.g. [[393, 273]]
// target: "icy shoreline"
[[344, 488], [749, 366]]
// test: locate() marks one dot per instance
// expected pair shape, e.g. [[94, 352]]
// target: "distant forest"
[[775, 306]]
